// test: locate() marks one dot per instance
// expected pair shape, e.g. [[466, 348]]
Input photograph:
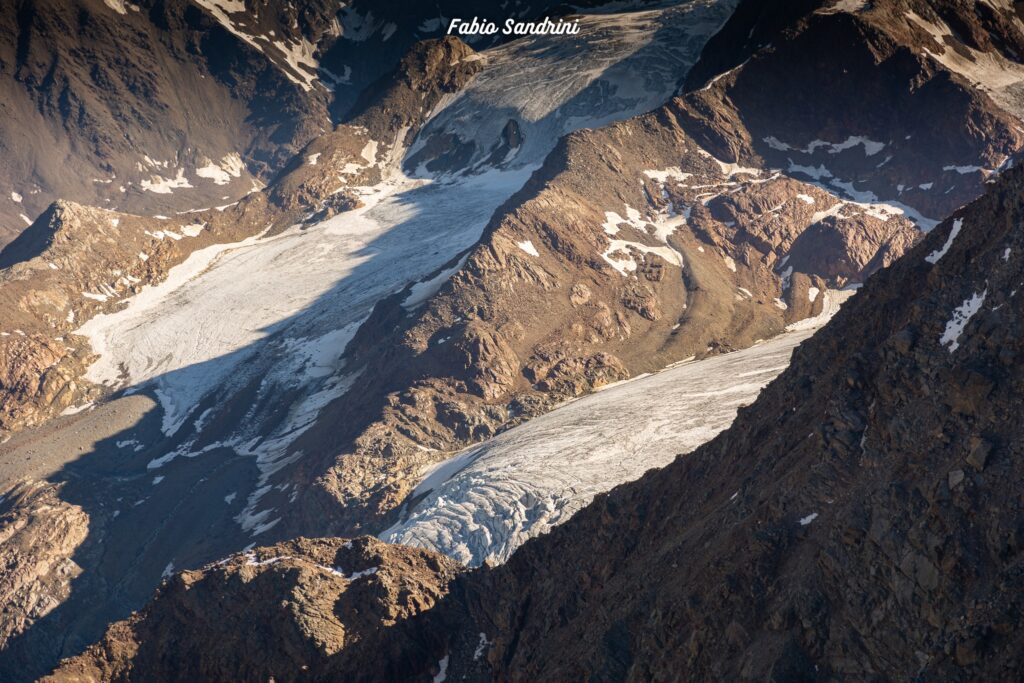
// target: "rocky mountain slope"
[[148, 107], [295, 363], [856, 521], [910, 55], [159, 106], [339, 595], [153, 504]]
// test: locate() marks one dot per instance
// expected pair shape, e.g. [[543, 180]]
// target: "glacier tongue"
[[245, 310], [618, 66], [485, 502]]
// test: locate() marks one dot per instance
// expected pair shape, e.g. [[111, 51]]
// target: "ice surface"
[[619, 65], [486, 501], [188, 334]]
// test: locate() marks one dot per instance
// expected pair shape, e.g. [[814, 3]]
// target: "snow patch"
[[528, 247], [160, 185], [421, 291], [626, 263], [934, 257], [672, 172], [230, 166], [833, 300], [193, 230], [442, 674], [961, 316]]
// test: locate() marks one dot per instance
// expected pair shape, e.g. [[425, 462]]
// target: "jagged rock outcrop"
[[288, 609], [39, 534], [858, 521]]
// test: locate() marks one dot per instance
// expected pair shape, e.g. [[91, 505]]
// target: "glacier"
[[276, 312], [483, 503]]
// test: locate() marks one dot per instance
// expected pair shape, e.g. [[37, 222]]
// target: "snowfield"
[[485, 502]]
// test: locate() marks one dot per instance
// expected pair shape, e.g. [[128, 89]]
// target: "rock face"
[[855, 521], [801, 93], [313, 599], [39, 534], [147, 108]]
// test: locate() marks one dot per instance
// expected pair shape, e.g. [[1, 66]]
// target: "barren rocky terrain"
[[449, 240], [855, 522]]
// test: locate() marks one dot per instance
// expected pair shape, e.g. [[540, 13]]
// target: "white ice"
[[188, 334], [619, 65], [486, 501], [961, 316]]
